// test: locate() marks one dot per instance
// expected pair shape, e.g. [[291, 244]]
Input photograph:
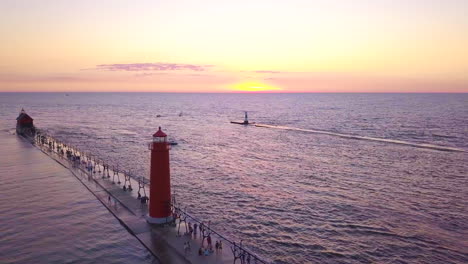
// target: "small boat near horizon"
[[245, 122]]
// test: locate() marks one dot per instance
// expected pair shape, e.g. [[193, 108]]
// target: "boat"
[[245, 122]]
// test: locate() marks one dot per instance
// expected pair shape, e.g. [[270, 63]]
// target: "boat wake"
[[392, 141]]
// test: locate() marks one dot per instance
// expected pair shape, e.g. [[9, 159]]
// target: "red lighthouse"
[[24, 124], [160, 185]]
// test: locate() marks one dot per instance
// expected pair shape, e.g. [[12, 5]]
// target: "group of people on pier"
[[88, 163]]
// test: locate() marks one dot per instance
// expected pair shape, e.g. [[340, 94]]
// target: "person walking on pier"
[[187, 247], [208, 240], [190, 228], [90, 166]]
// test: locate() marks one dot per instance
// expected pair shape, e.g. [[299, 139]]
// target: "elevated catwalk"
[[166, 242]]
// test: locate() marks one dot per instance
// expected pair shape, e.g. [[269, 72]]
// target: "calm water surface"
[[293, 196], [47, 216]]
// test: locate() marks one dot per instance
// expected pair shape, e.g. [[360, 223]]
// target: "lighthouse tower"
[[24, 124], [160, 185]]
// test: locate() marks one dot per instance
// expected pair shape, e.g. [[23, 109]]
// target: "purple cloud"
[[151, 67], [149, 74]]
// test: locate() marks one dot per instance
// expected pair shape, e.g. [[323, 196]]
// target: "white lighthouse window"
[[159, 139]]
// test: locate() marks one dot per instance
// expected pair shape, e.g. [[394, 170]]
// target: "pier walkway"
[[166, 242], [45, 213]]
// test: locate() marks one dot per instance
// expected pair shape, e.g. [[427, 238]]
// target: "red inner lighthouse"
[[160, 185], [24, 120]]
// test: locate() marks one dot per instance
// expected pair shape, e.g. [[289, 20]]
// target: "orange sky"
[[232, 46]]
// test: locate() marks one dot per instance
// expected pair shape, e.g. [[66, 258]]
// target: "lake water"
[[293, 196], [47, 218]]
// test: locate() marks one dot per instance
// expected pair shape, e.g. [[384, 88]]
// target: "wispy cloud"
[[149, 74], [268, 72], [159, 66]]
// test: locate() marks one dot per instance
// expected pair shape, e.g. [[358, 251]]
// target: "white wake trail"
[[392, 141]]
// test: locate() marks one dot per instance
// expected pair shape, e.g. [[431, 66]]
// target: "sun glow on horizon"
[[254, 87]]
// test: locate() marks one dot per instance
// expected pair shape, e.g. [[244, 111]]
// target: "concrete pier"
[[163, 242], [48, 216]]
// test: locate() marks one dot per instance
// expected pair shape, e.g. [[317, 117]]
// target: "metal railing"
[[80, 158]]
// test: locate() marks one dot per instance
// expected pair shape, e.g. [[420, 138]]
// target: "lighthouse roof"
[[24, 116], [159, 133]]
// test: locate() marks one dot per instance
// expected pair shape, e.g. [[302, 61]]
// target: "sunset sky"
[[234, 46]]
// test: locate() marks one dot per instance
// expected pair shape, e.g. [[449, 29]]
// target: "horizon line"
[[236, 92]]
